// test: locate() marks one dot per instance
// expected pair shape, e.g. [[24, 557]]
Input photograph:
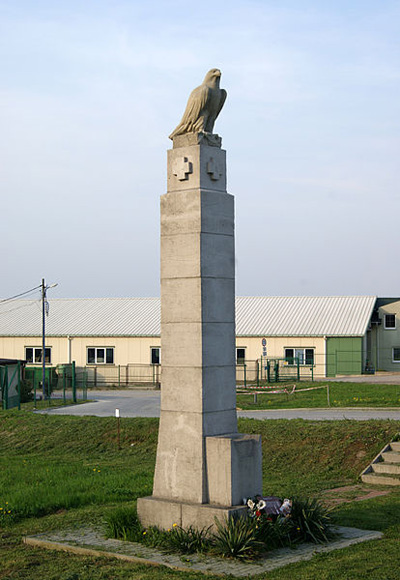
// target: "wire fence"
[[120, 376], [264, 371], [60, 388]]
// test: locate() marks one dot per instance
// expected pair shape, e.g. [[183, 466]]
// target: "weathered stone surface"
[[203, 465], [233, 468], [184, 513], [204, 389], [196, 167], [197, 211]]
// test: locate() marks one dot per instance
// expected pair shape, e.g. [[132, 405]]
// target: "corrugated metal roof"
[[255, 316], [82, 317], [303, 315]]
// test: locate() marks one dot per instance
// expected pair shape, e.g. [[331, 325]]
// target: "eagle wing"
[[221, 102], [195, 107]]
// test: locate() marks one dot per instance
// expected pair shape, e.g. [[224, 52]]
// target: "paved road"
[[138, 403]]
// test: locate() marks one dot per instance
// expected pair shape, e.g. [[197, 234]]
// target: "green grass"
[[340, 394], [57, 472]]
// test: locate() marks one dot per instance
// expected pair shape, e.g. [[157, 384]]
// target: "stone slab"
[[190, 255], [179, 472], [203, 389], [198, 299], [193, 344], [234, 470], [183, 513], [91, 542]]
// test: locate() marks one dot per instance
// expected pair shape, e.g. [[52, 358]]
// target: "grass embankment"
[[340, 395], [57, 472]]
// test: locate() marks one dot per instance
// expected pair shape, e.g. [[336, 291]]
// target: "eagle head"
[[212, 77]]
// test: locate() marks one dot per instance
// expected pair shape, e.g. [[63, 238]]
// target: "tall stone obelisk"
[[204, 467]]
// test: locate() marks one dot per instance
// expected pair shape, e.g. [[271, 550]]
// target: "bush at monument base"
[[238, 537]]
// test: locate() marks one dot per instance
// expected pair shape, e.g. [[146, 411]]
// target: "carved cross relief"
[[214, 169], [182, 168]]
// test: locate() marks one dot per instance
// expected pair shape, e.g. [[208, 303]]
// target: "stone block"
[[203, 516], [217, 256], [219, 388], [182, 389], [196, 167], [157, 512], [181, 213], [220, 423], [189, 344], [181, 300], [217, 213], [197, 300], [218, 343], [218, 299], [197, 211], [196, 389], [234, 469], [179, 473], [181, 344], [180, 256]]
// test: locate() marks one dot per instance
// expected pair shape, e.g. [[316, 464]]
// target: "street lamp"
[[45, 310]]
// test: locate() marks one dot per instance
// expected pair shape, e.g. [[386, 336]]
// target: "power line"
[[18, 295], [30, 303]]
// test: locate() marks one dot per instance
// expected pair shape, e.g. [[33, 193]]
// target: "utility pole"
[[45, 311], [44, 338]]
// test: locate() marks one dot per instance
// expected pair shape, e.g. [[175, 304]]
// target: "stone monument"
[[204, 467]]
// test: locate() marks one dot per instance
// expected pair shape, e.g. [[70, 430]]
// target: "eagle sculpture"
[[203, 106]]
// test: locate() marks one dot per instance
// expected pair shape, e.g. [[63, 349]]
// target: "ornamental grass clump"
[[187, 541], [237, 538], [274, 533], [124, 524], [311, 521]]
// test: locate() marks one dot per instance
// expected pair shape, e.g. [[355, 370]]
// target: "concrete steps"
[[385, 468]]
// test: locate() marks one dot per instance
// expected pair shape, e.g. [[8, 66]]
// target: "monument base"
[[164, 513]]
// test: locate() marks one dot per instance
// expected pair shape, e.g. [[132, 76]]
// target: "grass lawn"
[[340, 394], [57, 472]]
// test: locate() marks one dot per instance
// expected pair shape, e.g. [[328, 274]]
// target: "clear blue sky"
[[90, 90]]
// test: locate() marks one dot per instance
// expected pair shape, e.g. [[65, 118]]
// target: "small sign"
[[264, 342], [117, 412]]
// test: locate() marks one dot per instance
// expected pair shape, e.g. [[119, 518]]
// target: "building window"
[[305, 356], [33, 355], [390, 321], [100, 355], [396, 354], [155, 355], [240, 356]]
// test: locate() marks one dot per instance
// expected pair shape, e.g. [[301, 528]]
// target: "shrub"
[[26, 391]]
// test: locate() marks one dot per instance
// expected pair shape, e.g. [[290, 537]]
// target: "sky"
[[89, 92]]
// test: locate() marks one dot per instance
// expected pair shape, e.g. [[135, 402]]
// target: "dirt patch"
[[350, 493]]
